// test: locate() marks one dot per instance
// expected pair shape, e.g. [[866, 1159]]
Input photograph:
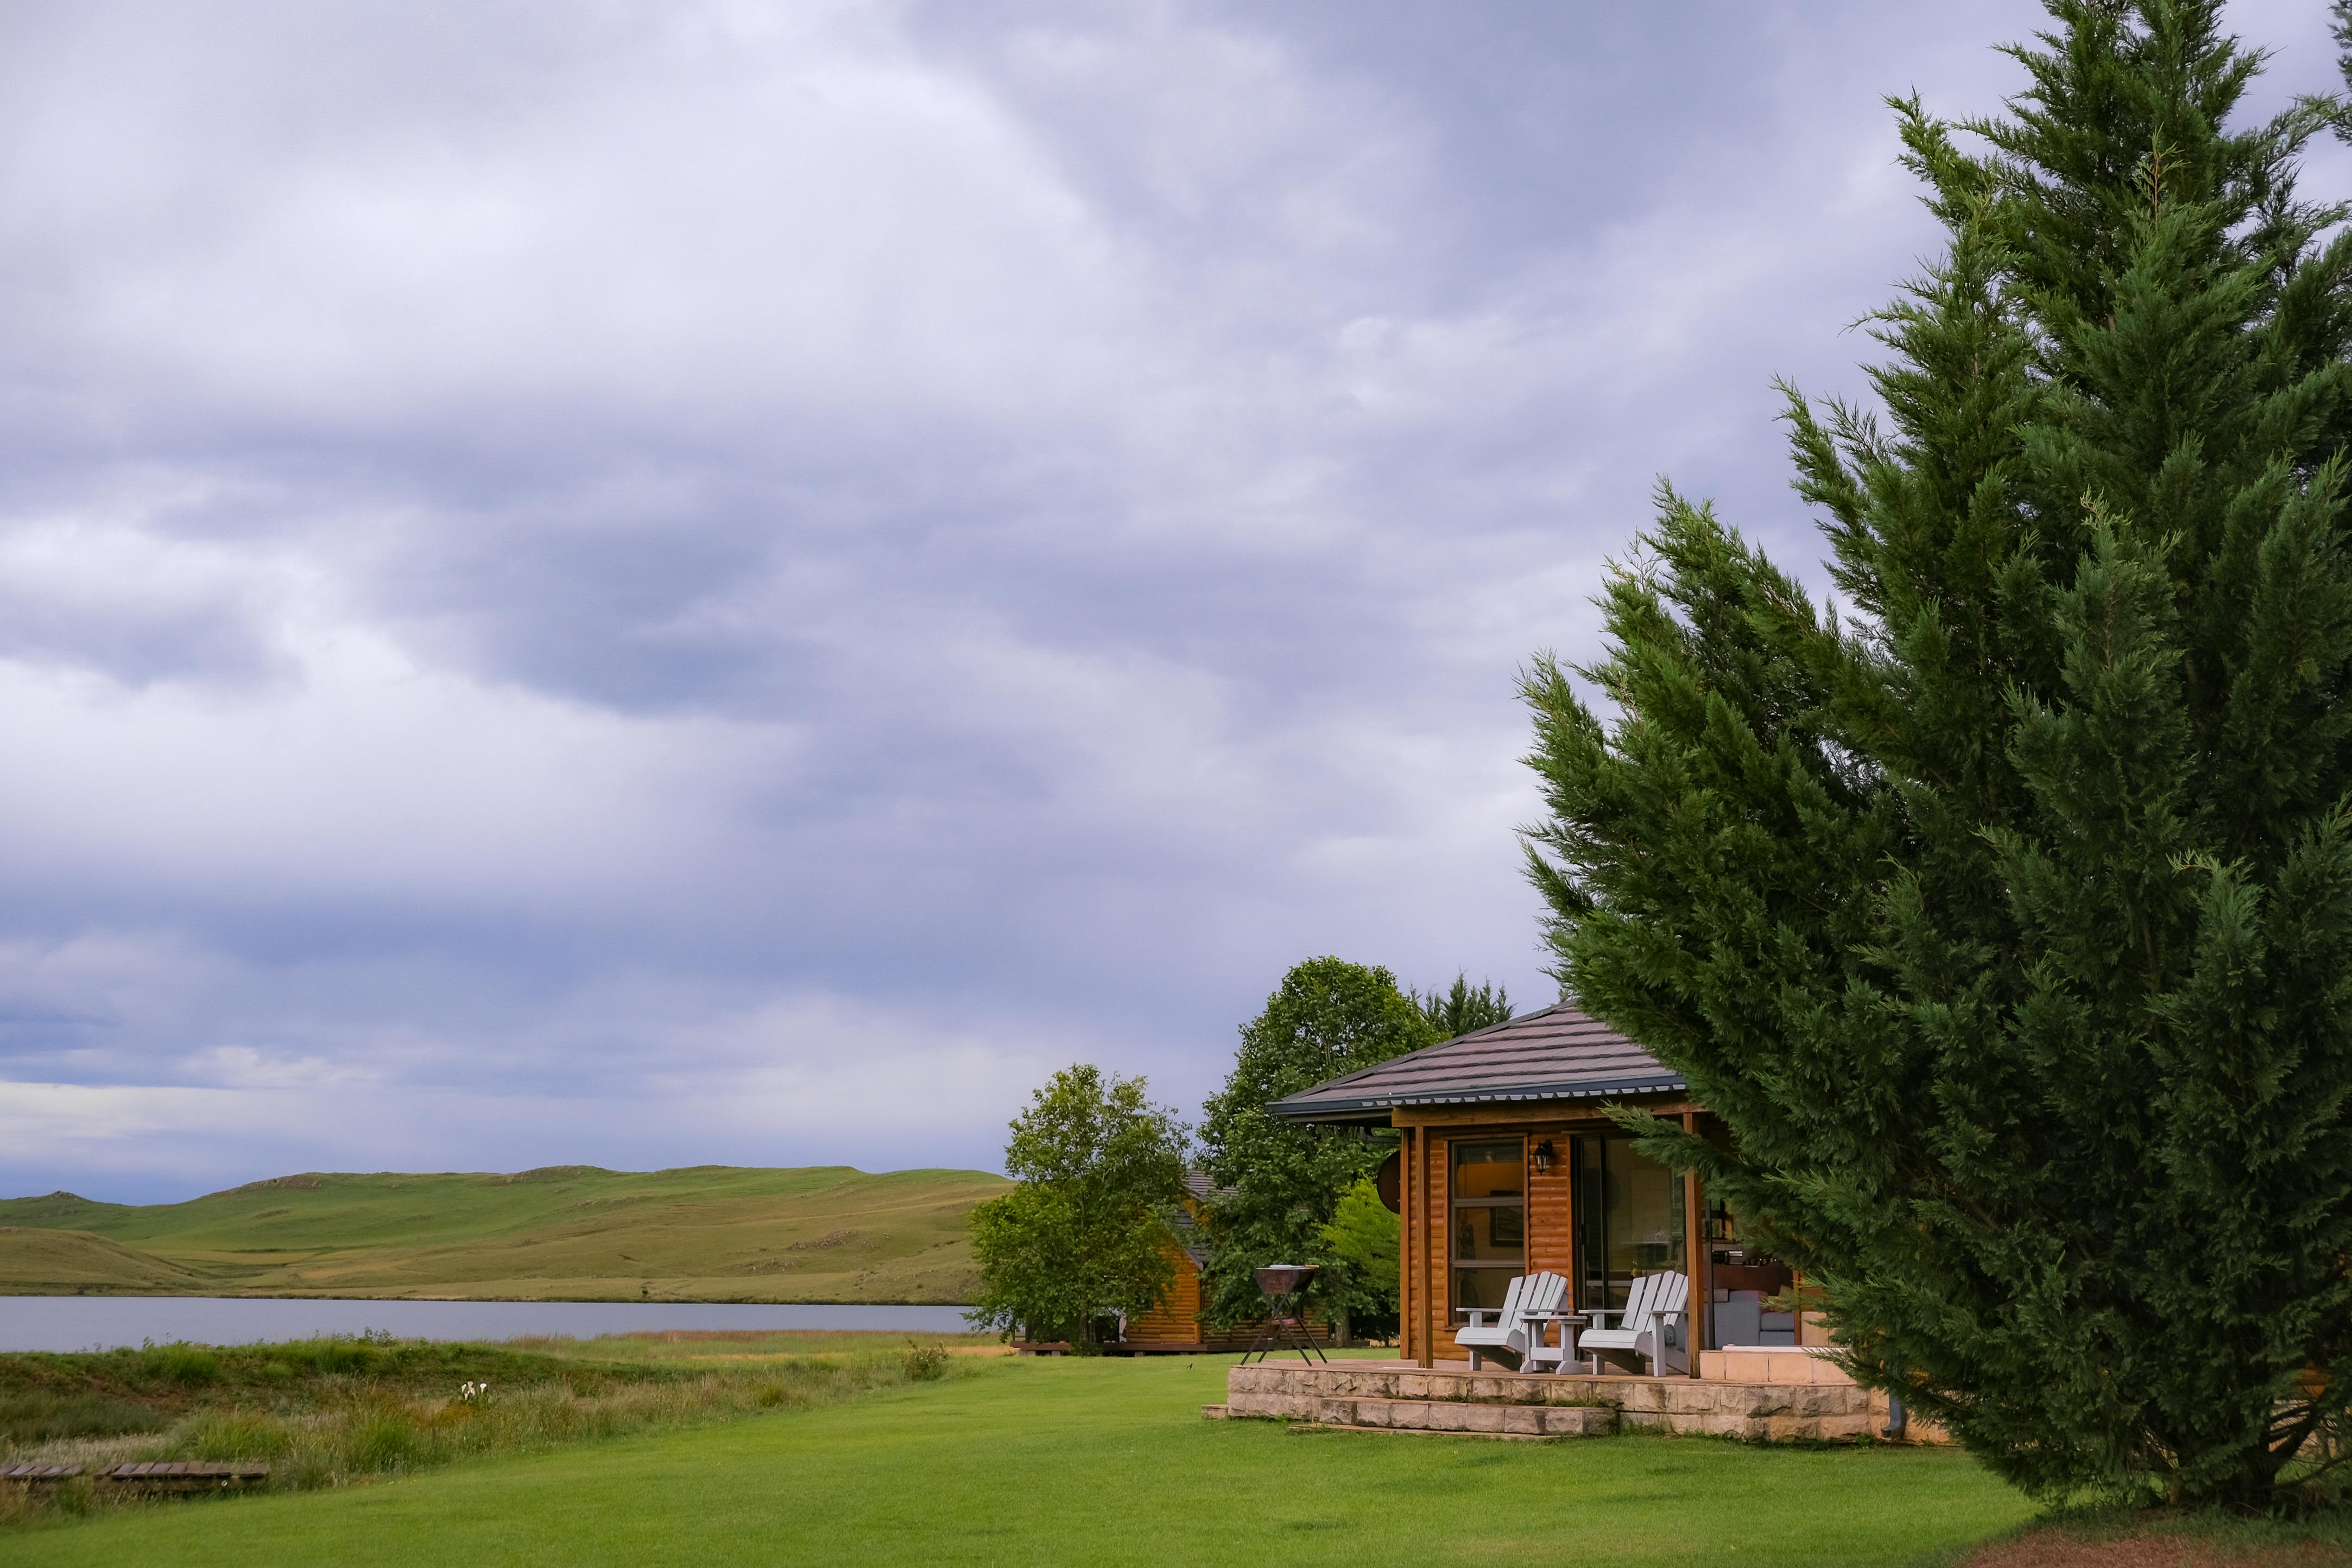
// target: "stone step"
[[1428, 1416], [1226, 1413], [1428, 1432]]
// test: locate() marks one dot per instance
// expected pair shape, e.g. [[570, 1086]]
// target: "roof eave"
[[1377, 1107]]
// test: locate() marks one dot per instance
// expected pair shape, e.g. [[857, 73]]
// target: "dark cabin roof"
[[1556, 1054], [1203, 1191]]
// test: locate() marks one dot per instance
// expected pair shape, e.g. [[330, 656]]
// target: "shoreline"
[[9, 1292], [51, 1322]]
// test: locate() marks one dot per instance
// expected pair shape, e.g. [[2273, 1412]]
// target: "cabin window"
[[1629, 1219], [1489, 1229]]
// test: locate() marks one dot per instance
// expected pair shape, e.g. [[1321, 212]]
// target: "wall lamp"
[[1545, 1157]]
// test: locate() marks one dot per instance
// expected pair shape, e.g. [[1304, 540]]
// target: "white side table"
[[1557, 1356]]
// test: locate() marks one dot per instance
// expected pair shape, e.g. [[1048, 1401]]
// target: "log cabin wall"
[[1176, 1318], [1551, 1220]]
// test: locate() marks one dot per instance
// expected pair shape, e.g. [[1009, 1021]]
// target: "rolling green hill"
[[63, 1262], [707, 1233]]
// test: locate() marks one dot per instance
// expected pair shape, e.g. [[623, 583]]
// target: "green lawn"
[[1080, 1461]]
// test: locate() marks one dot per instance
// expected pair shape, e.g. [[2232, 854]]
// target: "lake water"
[[102, 1322]]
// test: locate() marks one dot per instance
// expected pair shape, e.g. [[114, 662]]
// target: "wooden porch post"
[[1575, 1242], [1702, 1295], [1405, 1244], [1421, 1253]]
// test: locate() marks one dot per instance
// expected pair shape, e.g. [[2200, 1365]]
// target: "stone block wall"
[[1391, 1399]]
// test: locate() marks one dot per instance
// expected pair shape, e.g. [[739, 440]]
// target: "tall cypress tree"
[[2003, 910], [1463, 1008]]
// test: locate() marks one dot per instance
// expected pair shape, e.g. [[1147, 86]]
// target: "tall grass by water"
[[332, 1412]]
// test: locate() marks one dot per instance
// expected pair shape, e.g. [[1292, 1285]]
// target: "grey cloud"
[[626, 583]]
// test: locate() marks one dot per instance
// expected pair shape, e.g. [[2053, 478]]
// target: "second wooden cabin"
[[1180, 1325]]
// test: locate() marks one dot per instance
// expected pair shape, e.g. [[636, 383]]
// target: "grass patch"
[[704, 1346], [35, 1415], [175, 1377], [330, 1413], [1091, 1461]]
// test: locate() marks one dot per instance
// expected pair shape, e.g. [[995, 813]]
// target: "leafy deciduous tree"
[[1327, 1018], [1363, 1239], [1083, 1237]]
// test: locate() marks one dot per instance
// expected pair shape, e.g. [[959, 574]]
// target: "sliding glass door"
[[1629, 1219]]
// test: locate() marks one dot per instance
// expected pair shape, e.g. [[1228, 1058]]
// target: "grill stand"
[[1282, 1284]]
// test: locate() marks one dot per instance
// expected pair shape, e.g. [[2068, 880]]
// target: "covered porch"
[[1507, 1166]]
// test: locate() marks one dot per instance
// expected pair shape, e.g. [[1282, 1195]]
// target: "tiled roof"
[[1204, 1190], [1556, 1054]]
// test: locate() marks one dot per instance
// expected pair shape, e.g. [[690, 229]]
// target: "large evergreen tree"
[[2008, 921]]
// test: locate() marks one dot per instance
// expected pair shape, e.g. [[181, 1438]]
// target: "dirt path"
[[2152, 1549]]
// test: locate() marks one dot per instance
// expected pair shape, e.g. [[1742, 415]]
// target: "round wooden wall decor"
[[1391, 1173]]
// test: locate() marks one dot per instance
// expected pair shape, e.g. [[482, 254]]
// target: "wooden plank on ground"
[[184, 1473]]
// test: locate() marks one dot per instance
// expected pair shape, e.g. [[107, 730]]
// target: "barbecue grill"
[[1282, 1284]]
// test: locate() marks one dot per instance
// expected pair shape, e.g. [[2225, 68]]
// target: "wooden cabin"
[[1506, 1165], [1178, 1324]]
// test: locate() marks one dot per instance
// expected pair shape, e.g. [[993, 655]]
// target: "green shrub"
[[345, 1356], [309, 1471], [924, 1364], [190, 1367], [383, 1436], [235, 1435]]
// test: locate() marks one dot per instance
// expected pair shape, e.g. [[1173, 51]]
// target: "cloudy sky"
[[706, 581]]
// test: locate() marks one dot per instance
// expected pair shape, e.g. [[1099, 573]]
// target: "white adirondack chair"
[[1653, 1325], [1508, 1337]]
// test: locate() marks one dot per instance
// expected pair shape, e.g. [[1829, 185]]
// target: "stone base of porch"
[[1397, 1396], [1771, 1364]]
